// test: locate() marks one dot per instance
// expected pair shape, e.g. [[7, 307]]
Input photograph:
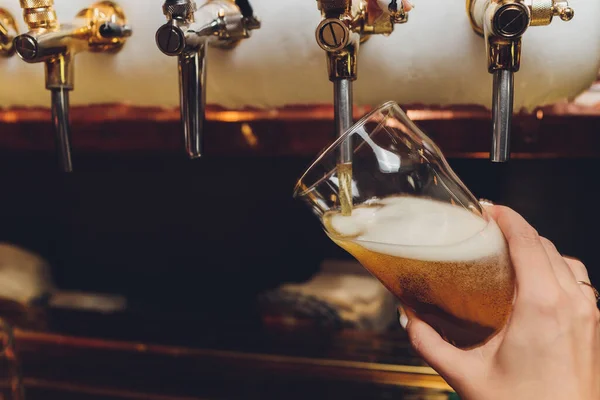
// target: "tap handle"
[[251, 22], [192, 80], [563, 10], [399, 15], [111, 30], [543, 11], [245, 8]]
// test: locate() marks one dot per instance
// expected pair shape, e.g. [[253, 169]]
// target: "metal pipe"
[[342, 104], [62, 128], [192, 79], [502, 110]]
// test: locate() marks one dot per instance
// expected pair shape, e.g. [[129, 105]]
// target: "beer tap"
[[8, 31], [187, 34], [99, 28], [502, 23], [340, 33]]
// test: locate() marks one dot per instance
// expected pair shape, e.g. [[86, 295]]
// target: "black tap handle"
[[393, 7], [111, 30], [245, 8]]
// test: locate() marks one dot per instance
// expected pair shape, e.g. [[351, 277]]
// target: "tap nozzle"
[[100, 28], [8, 32], [188, 33], [503, 23], [340, 33]]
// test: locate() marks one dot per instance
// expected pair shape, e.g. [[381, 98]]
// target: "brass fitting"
[[543, 11], [100, 28], [8, 31], [503, 23], [39, 14], [341, 31]]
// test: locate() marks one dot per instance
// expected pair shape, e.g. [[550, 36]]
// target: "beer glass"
[[402, 212]]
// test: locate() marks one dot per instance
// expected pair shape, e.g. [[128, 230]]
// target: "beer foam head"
[[419, 228]]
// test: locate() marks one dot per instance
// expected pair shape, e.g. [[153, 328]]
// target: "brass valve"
[[100, 28], [39, 14], [8, 31], [503, 23], [543, 11], [340, 31]]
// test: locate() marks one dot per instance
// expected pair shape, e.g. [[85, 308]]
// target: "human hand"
[[550, 347]]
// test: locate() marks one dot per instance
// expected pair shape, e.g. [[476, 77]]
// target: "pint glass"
[[402, 212]]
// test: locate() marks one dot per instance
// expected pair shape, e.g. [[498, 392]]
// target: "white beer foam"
[[421, 229]]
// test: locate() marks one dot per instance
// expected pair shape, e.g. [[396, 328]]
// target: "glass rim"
[[298, 191]]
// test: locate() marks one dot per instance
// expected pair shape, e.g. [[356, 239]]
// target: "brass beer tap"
[[188, 33], [340, 33], [8, 32], [503, 23], [100, 28]]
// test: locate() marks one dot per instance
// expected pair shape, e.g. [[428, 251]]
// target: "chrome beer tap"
[[502, 23], [340, 33], [187, 34], [8, 31], [99, 28]]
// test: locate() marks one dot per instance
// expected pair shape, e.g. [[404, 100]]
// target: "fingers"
[[449, 361], [533, 269], [561, 269], [580, 273]]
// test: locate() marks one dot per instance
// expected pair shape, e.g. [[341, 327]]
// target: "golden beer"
[[448, 264]]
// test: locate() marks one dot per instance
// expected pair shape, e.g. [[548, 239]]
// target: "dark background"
[[170, 233]]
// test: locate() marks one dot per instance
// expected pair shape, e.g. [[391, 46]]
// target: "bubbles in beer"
[[442, 260]]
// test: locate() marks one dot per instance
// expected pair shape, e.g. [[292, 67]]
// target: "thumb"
[[449, 361]]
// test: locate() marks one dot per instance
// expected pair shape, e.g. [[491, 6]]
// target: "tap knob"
[[112, 30], [245, 8], [543, 11], [251, 22], [511, 20], [398, 13], [8, 32], [565, 12], [182, 10], [39, 13]]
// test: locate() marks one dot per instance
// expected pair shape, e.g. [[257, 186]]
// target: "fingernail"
[[402, 318], [486, 203], [410, 3]]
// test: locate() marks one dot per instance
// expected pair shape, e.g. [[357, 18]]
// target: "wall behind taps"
[[434, 59]]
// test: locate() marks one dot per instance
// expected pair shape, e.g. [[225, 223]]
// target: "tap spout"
[[187, 34], [502, 111], [502, 23], [342, 103], [60, 120], [192, 80]]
